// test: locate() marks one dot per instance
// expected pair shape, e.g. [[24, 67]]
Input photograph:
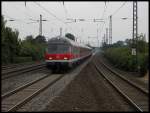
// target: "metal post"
[[106, 35], [110, 30], [104, 39], [40, 28], [135, 33], [97, 36], [60, 31], [82, 31]]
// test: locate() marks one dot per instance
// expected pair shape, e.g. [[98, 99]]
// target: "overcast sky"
[[56, 13]]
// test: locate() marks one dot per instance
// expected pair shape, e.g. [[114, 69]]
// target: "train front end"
[[58, 54]]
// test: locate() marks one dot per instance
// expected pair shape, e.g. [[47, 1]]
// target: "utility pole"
[[82, 31], [106, 35], [135, 33], [104, 39], [97, 36], [40, 23], [110, 30], [65, 31], [61, 31], [40, 28]]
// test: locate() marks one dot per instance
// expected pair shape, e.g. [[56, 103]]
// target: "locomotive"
[[63, 52]]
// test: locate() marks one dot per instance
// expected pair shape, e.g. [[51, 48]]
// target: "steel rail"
[[5, 67], [20, 71], [117, 88], [119, 75], [33, 94], [22, 87]]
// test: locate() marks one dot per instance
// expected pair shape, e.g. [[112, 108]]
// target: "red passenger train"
[[64, 52]]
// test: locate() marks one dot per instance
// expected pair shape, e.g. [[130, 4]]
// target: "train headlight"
[[50, 58], [65, 58]]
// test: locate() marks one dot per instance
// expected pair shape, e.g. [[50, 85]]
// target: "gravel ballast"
[[133, 77], [42, 100], [17, 81], [89, 92]]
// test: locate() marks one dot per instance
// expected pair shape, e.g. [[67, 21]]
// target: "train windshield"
[[58, 48]]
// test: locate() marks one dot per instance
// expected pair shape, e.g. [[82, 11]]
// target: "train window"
[[58, 48]]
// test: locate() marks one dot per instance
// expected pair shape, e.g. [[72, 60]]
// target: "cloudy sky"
[[57, 13]]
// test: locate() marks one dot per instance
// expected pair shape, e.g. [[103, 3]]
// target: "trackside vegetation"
[[15, 50], [29, 49], [120, 55]]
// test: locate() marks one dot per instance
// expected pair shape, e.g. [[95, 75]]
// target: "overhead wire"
[[25, 13], [49, 12], [118, 9], [21, 13], [13, 18], [65, 9], [27, 7], [105, 7], [104, 11], [66, 13], [112, 14]]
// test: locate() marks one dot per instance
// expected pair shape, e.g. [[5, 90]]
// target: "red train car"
[[63, 52]]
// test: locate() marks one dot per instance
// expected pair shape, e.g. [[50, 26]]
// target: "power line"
[[14, 19], [66, 13], [118, 8], [65, 9], [113, 13], [103, 16], [23, 12], [37, 14], [8, 16], [50, 13], [104, 10]]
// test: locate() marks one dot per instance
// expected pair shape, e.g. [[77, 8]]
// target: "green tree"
[[142, 45], [40, 39], [33, 47], [29, 38], [10, 43], [120, 55], [128, 42], [70, 36], [118, 44]]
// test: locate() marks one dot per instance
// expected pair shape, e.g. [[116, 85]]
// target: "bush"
[[34, 50], [122, 58], [22, 59], [143, 63], [15, 50]]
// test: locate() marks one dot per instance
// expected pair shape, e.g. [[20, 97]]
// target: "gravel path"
[[88, 92], [16, 81]]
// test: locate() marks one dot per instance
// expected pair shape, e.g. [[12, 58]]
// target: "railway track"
[[22, 79], [136, 96], [14, 72], [15, 99], [10, 66], [122, 77]]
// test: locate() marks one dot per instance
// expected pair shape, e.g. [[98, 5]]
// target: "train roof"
[[66, 40]]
